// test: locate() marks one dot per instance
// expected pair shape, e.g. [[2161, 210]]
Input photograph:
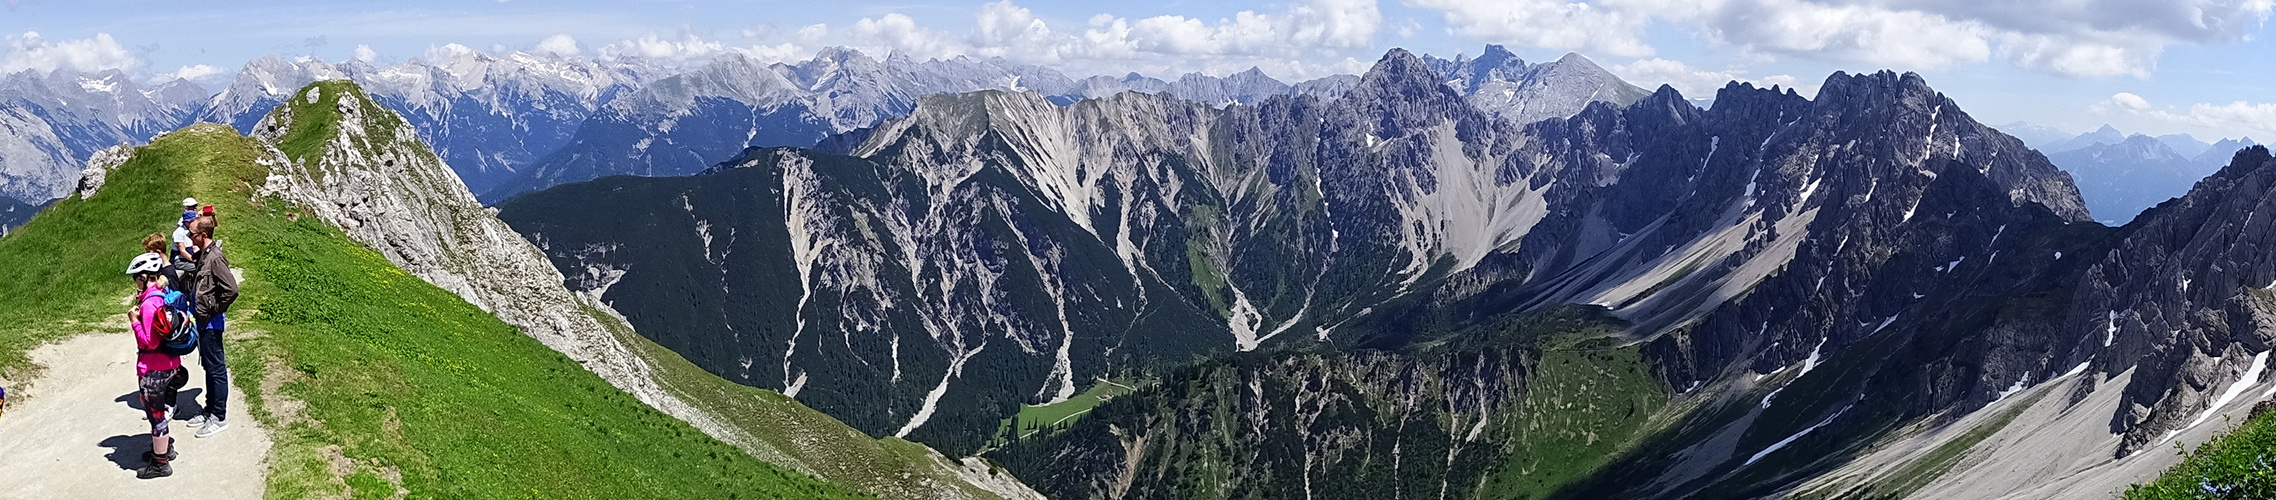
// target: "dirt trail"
[[78, 433]]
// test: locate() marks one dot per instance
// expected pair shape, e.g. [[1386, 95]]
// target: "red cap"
[[208, 210]]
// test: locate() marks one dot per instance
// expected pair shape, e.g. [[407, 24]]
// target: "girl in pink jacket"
[[160, 374]]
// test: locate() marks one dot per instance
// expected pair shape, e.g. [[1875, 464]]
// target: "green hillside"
[[2239, 465], [376, 383]]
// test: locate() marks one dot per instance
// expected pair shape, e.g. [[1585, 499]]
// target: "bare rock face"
[[2185, 298]]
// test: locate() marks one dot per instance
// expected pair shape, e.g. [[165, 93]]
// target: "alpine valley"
[[1476, 277], [1404, 289]]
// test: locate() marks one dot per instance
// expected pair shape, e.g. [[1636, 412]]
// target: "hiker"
[[155, 243], [215, 288], [160, 374], [182, 230]]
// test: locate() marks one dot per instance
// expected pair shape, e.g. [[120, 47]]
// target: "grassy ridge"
[[61, 272], [394, 384]]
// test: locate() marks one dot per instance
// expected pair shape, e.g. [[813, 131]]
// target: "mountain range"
[[517, 121], [1397, 263], [51, 122], [1466, 278]]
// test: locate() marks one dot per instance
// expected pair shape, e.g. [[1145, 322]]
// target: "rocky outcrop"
[[2186, 300], [99, 168]]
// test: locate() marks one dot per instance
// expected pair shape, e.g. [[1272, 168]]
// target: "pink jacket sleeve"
[[145, 314]]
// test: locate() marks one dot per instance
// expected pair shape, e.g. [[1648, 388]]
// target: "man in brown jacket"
[[215, 289]]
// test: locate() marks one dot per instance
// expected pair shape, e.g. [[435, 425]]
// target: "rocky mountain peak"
[[2250, 159], [1882, 86], [1496, 55], [2146, 148], [1400, 76]]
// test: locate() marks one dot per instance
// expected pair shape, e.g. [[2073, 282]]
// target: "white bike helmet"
[[146, 263]]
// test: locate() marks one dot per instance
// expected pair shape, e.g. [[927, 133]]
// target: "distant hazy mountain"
[[2050, 140], [2187, 145], [2037, 136], [684, 123], [2120, 180], [1501, 84], [2105, 135], [2219, 154], [2120, 175]]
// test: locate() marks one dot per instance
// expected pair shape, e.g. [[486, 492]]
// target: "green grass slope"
[[375, 384], [2240, 465]]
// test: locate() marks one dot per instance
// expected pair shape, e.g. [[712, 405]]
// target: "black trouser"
[[158, 390], [215, 361]]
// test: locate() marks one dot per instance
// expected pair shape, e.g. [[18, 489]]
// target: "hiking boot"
[[170, 455], [154, 470], [213, 425], [197, 421]]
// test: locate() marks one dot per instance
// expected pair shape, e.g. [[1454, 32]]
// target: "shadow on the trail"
[[127, 450], [185, 402]]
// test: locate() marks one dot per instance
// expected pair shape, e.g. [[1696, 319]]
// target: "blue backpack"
[[176, 328]]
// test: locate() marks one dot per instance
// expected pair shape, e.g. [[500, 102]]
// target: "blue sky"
[[2155, 66]]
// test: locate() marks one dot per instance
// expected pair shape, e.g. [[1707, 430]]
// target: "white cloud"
[[1906, 39], [2255, 117], [691, 49], [896, 32], [560, 45], [2070, 56], [1694, 83], [656, 47], [447, 52], [2122, 102], [193, 72], [30, 51], [2071, 37], [1555, 24], [1310, 39], [366, 54]]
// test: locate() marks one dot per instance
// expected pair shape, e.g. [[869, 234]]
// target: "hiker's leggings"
[[215, 361], [158, 390]]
